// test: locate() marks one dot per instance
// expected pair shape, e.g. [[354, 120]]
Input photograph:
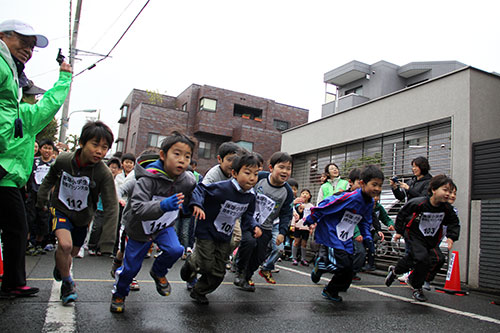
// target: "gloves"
[[170, 203]]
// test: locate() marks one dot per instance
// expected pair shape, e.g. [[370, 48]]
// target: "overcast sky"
[[273, 49]]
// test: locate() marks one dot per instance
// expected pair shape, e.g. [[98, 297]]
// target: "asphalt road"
[[294, 304]]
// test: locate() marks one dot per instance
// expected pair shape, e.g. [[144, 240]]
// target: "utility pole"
[[72, 54]]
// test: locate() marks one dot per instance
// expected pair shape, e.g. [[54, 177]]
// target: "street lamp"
[[65, 121]]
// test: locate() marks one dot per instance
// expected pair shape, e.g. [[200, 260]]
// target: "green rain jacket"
[[16, 154]]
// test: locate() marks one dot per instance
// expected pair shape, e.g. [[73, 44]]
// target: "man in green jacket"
[[17, 41]]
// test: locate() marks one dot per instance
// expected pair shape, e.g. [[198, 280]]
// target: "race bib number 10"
[[228, 214], [345, 229], [74, 191]]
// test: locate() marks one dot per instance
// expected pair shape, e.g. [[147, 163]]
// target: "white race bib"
[[430, 222], [228, 214], [41, 171], [152, 226], [74, 191], [264, 206], [345, 228]]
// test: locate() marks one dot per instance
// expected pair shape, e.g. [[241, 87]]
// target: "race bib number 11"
[[345, 229]]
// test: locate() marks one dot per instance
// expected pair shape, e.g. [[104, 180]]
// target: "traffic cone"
[[452, 284]]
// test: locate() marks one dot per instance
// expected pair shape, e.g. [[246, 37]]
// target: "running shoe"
[[295, 262], [268, 276], [117, 304], [200, 299], [162, 285], [68, 292], [92, 252], [391, 276], [134, 286], [238, 279], [427, 286], [418, 294], [316, 273], [304, 263], [246, 286], [23, 291], [356, 277], [331, 296], [250, 282]]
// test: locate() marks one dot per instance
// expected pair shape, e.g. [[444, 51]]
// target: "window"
[[281, 125], [204, 149], [124, 114], [357, 91], [208, 104], [247, 112], [155, 140], [132, 144], [184, 107], [119, 146], [246, 145]]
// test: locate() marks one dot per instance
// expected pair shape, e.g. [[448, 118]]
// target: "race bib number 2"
[[74, 191], [345, 229]]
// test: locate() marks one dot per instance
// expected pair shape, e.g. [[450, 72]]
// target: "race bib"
[[152, 226], [229, 213], [430, 222], [263, 208], [74, 191], [41, 171], [345, 229]]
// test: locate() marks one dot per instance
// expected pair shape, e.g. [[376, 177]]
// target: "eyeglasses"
[[26, 41]]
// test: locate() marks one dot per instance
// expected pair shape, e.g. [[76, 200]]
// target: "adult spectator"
[[418, 184], [19, 125]]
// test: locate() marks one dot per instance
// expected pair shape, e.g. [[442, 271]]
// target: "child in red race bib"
[[162, 186], [421, 223]]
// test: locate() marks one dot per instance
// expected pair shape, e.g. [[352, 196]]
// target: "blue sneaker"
[[316, 272], [190, 285], [68, 292], [332, 297]]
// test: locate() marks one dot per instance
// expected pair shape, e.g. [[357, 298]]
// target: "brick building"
[[209, 114]]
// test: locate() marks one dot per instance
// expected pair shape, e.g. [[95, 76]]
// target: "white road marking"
[[58, 318], [405, 299]]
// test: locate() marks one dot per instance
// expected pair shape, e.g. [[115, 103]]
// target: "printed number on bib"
[[345, 228], [230, 211], [263, 208], [74, 191], [152, 226], [430, 222], [41, 171]]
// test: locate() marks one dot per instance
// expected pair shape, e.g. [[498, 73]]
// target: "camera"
[[395, 179]]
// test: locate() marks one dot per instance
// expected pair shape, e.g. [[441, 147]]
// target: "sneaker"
[[238, 279], [117, 304], [250, 282], [134, 286], [68, 292], [81, 253], [92, 252], [427, 286], [268, 276], [157, 254], [316, 273], [418, 294], [190, 285], [356, 277], [404, 278], [200, 299], [275, 270], [369, 268], [162, 285], [330, 296], [246, 286], [114, 267], [391, 276], [31, 251], [295, 262], [23, 291], [304, 263], [49, 247], [39, 250]]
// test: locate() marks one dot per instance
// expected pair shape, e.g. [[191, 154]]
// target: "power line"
[[116, 44]]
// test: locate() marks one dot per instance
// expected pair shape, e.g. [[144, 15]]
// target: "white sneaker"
[[81, 253], [404, 277]]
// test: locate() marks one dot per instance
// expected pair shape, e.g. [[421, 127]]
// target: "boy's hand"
[[359, 239], [280, 239], [313, 226], [381, 235], [450, 243], [173, 202], [298, 200], [122, 202], [198, 213], [295, 215], [396, 238], [257, 232], [391, 228]]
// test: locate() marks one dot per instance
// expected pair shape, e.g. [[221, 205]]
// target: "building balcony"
[[345, 102], [347, 73]]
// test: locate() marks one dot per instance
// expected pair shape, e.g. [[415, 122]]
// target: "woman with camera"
[[418, 184]]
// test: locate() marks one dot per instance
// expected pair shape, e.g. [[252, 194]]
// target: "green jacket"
[[17, 159], [101, 183], [9, 96], [328, 190]]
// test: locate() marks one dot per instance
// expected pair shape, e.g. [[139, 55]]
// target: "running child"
[[217, 207], [300, 231], [78, 179], [421, 222], [334, 220], [162, 185]]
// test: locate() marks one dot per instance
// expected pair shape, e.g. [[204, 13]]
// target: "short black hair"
[[228, 148], [371, 172], [114, 161], [193, 162], [174, 138], [354, 174], [260, 158], [128, 156], [438, 181], [422, 163], [245, 159], [292, 182], [46, 142], [280, 157], [96, 130], [327, 172]]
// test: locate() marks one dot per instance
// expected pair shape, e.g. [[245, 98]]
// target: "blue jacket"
[[337, 217], [223, 202]]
